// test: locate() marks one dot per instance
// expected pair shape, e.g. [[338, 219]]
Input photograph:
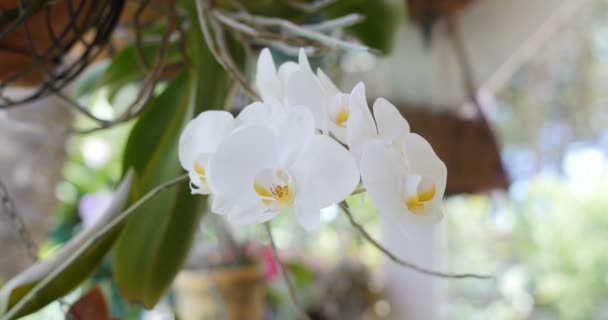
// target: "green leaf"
[[158, 237], [142, 262], [89, 79], [381, 21], [71, 275], [125, 66]]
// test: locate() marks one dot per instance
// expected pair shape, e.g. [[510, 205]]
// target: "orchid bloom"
[[272, 158], [402, 174], [294, 84], [198, 143], [262, 170], [270, 82]]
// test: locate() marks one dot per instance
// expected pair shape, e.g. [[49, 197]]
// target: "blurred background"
[[511, 94]]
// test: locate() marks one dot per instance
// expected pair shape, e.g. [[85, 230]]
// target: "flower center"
[[275, 188], [416, 202], [342, 116]]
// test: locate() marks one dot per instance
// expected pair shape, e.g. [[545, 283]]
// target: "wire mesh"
[[44, 44]]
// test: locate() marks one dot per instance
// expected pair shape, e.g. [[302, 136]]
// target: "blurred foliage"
[[547, 246], [381, 20]]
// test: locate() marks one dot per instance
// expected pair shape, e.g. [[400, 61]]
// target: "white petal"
[[198, 175], [267, 80], [424, 161], [337, 106], [303, 61], [325, 174], [202, 135], [381, 174], [220, 205], [238, 159], [303, 89], [293, 134], [309, 219], [361, 126], [328, 85], [252, 215], [261, 114], [286, 69], [391, 124]]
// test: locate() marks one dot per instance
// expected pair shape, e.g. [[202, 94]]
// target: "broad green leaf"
[[73, 274], [126, 68], [157, 238], [140, 261], [381, 20]]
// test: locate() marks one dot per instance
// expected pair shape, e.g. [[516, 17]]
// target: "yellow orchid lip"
[[416, 202], [342, 116], [200, 170], [278, 194]]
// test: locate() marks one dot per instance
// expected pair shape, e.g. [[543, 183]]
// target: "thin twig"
[[182, 38], [288, 50], [402, 262], [139, 53], [238, 26], [149, 83], [202, 6], [301, 31], [338, 23], [292, 294], [23, 302], [8, 207], [81, 109], [224, 52]]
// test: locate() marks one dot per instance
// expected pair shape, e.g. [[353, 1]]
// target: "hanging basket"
[[467, 146], [37, 38]]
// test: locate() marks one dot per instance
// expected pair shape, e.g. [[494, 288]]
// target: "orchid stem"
[[402, 262], [290, 288]]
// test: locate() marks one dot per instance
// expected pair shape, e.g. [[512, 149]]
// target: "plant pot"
[[233, 293]]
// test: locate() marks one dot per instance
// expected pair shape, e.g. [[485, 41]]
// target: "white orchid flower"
[[198, 143], [293, 84], [338, 106], [261, 170], [404, 177], [270, 82], [405, 187], [387, 123]]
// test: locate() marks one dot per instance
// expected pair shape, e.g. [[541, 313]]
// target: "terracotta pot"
[[225, 293]]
